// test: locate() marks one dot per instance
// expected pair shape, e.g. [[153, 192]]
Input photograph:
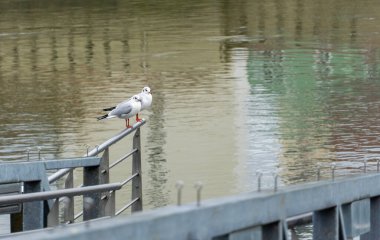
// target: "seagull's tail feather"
[[102, 117], [109, 109]]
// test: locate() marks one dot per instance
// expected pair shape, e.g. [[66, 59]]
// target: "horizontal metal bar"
[[57, 175], [71, 163], [54, 177], [22, 172], [126, 206], [116, 138], [123, 158], [70, 192], [129, 179], [10, 188]]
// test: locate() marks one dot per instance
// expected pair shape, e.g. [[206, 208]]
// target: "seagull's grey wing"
[[122, 108]]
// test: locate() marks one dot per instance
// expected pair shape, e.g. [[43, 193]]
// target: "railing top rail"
[[55, 176], [70, 192], [115, 138]]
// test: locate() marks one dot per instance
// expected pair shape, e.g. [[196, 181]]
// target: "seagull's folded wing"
[[122, 108]]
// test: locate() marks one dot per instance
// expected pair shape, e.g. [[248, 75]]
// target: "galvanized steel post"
[[34, 216], [374, 232], [325, 224], [136, 168], [91, 201], [103, 179], [68, 203], [275, 231]]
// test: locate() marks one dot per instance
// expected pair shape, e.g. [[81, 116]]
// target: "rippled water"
[[238, 86]]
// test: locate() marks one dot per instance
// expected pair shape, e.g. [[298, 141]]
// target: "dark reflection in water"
[[157, 193], [238, 85]]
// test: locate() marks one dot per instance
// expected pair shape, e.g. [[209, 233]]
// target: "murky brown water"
[[238, 86]]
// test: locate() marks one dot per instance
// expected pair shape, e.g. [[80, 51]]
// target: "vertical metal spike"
[[28, 153], [87, 147], [333, 167], [179, 185], [39, 153], [275, 178], [318, 171], [259, 174], [198, 186]]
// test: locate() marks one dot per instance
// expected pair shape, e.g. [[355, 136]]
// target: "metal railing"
[[40, 205], [341, 209]]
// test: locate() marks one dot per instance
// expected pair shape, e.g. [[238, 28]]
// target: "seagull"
[[124, 110], [146, 101]]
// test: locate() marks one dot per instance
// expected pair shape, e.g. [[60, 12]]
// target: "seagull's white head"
[[146, 90], [136, 98]]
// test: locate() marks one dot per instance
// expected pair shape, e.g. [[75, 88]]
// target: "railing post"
[[68, 203], [136, 168], [110, 204], [91, 202], [103, 179], [33, 212], [375, 221], [275, 231], [328, 224]]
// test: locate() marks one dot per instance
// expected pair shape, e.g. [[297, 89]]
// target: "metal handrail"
[[69, 192], [57, 175]]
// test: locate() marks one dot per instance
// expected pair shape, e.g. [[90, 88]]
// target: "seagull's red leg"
[[137, 118], [128, 126], [126, 123]]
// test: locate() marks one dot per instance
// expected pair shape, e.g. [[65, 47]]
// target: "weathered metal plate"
[[357, 217], [10, 189]]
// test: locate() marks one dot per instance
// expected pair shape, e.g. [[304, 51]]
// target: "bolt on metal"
[[365, 166], [333, 167], [259, 175], [198, 186], [179, 185]]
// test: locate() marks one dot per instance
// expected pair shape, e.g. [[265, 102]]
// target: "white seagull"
[[124, 110], [146, 101]]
